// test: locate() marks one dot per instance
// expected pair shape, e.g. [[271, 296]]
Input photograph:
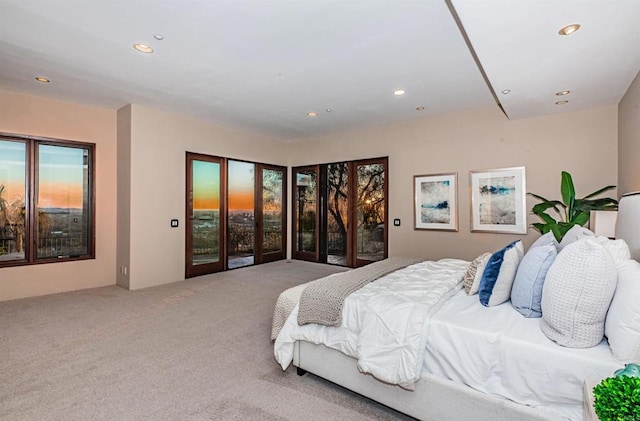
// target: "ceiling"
[[261, 65]]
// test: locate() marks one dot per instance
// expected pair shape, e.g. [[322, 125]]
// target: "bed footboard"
[[434, 398]]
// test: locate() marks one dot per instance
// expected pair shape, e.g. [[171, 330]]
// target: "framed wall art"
[[435, 202], [498, 201]]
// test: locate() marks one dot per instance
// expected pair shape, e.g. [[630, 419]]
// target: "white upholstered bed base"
[[434, 398]]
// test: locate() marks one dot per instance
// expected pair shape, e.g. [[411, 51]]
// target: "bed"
[[475, 362]]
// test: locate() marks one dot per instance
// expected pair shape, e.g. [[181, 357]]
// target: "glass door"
[[371, 211], [306, 213], [204, 242], [241, 221], [337, 211], [271, 215]]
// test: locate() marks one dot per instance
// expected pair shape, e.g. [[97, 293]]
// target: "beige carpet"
[[193, 350]]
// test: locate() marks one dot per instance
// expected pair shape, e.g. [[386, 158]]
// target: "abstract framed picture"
[[498, 201], [436, 202]]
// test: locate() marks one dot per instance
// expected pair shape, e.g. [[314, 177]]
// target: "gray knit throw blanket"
[[322, 300]]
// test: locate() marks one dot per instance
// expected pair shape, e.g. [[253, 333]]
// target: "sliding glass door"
[[243, 227], [241, 215]]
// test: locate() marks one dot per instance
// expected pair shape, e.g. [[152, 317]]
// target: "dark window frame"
[[31, 177]]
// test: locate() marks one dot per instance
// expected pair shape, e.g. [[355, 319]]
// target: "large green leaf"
[[540, 198], [583, 205], [567, 189], [541, 207], [602, 190], [580, 218]]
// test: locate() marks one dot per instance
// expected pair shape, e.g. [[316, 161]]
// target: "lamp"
[[628, 223], [603, 222]]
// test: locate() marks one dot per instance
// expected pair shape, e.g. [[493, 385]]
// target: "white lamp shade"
[[603, 223], [628, 223]]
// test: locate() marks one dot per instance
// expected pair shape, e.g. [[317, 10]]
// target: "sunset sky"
[[60, 177], [241, 185], [12, 169], [206, 185]]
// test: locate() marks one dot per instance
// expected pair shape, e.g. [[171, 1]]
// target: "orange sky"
[[60, 195], [241, 201]]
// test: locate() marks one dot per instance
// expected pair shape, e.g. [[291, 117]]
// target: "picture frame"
[[435, 202], [498, 200]]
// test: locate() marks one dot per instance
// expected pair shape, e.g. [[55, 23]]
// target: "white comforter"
[[384, 324]]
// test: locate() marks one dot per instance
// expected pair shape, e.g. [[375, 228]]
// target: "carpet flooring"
[[192, 350]]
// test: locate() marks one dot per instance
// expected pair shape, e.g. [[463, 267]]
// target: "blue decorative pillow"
[[497, 279], [526, 292]]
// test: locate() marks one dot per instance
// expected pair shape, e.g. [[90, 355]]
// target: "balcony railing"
[[49, 246]]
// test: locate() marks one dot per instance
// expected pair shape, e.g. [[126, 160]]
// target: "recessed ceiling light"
[[42, 79], [312, 114], [562, 102], [143, 48], [562, 93], [159, 37], [328, 110], [399, 92], [569, 29], [505, 91], [420, 108]]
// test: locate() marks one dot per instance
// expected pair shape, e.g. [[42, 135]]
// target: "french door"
[[236, 214], [205, 233], [340, 212]]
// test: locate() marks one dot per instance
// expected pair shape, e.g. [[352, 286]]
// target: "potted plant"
[[570, 211], [618, 398]]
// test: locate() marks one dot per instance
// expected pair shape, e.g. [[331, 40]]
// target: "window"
[[46, 200]]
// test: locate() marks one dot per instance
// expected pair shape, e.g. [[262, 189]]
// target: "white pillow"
[[497, 279], [622, 326], [473, 276], [574, 234], [617, 249], [576, 294]]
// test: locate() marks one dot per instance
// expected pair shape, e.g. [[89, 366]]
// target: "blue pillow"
[[497, 279], [547, 239], [526, 293]]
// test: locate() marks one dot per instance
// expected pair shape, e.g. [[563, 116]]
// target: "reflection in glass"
[[63, 217], [306, 193], [205, 217], [241, 218], [272, 210], [371, 215], [12, 196], [337, 213]]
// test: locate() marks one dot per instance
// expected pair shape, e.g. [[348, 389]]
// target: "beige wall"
[[123, 241], [158, 142], [629, 139], [583, 143], [30, 115], [149, 148]]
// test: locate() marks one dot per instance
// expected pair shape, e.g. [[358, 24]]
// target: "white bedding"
[[497, 351], [385, 331], [494, 350]]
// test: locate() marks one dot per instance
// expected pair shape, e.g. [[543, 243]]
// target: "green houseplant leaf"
[[617, 398], [571, 210]]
